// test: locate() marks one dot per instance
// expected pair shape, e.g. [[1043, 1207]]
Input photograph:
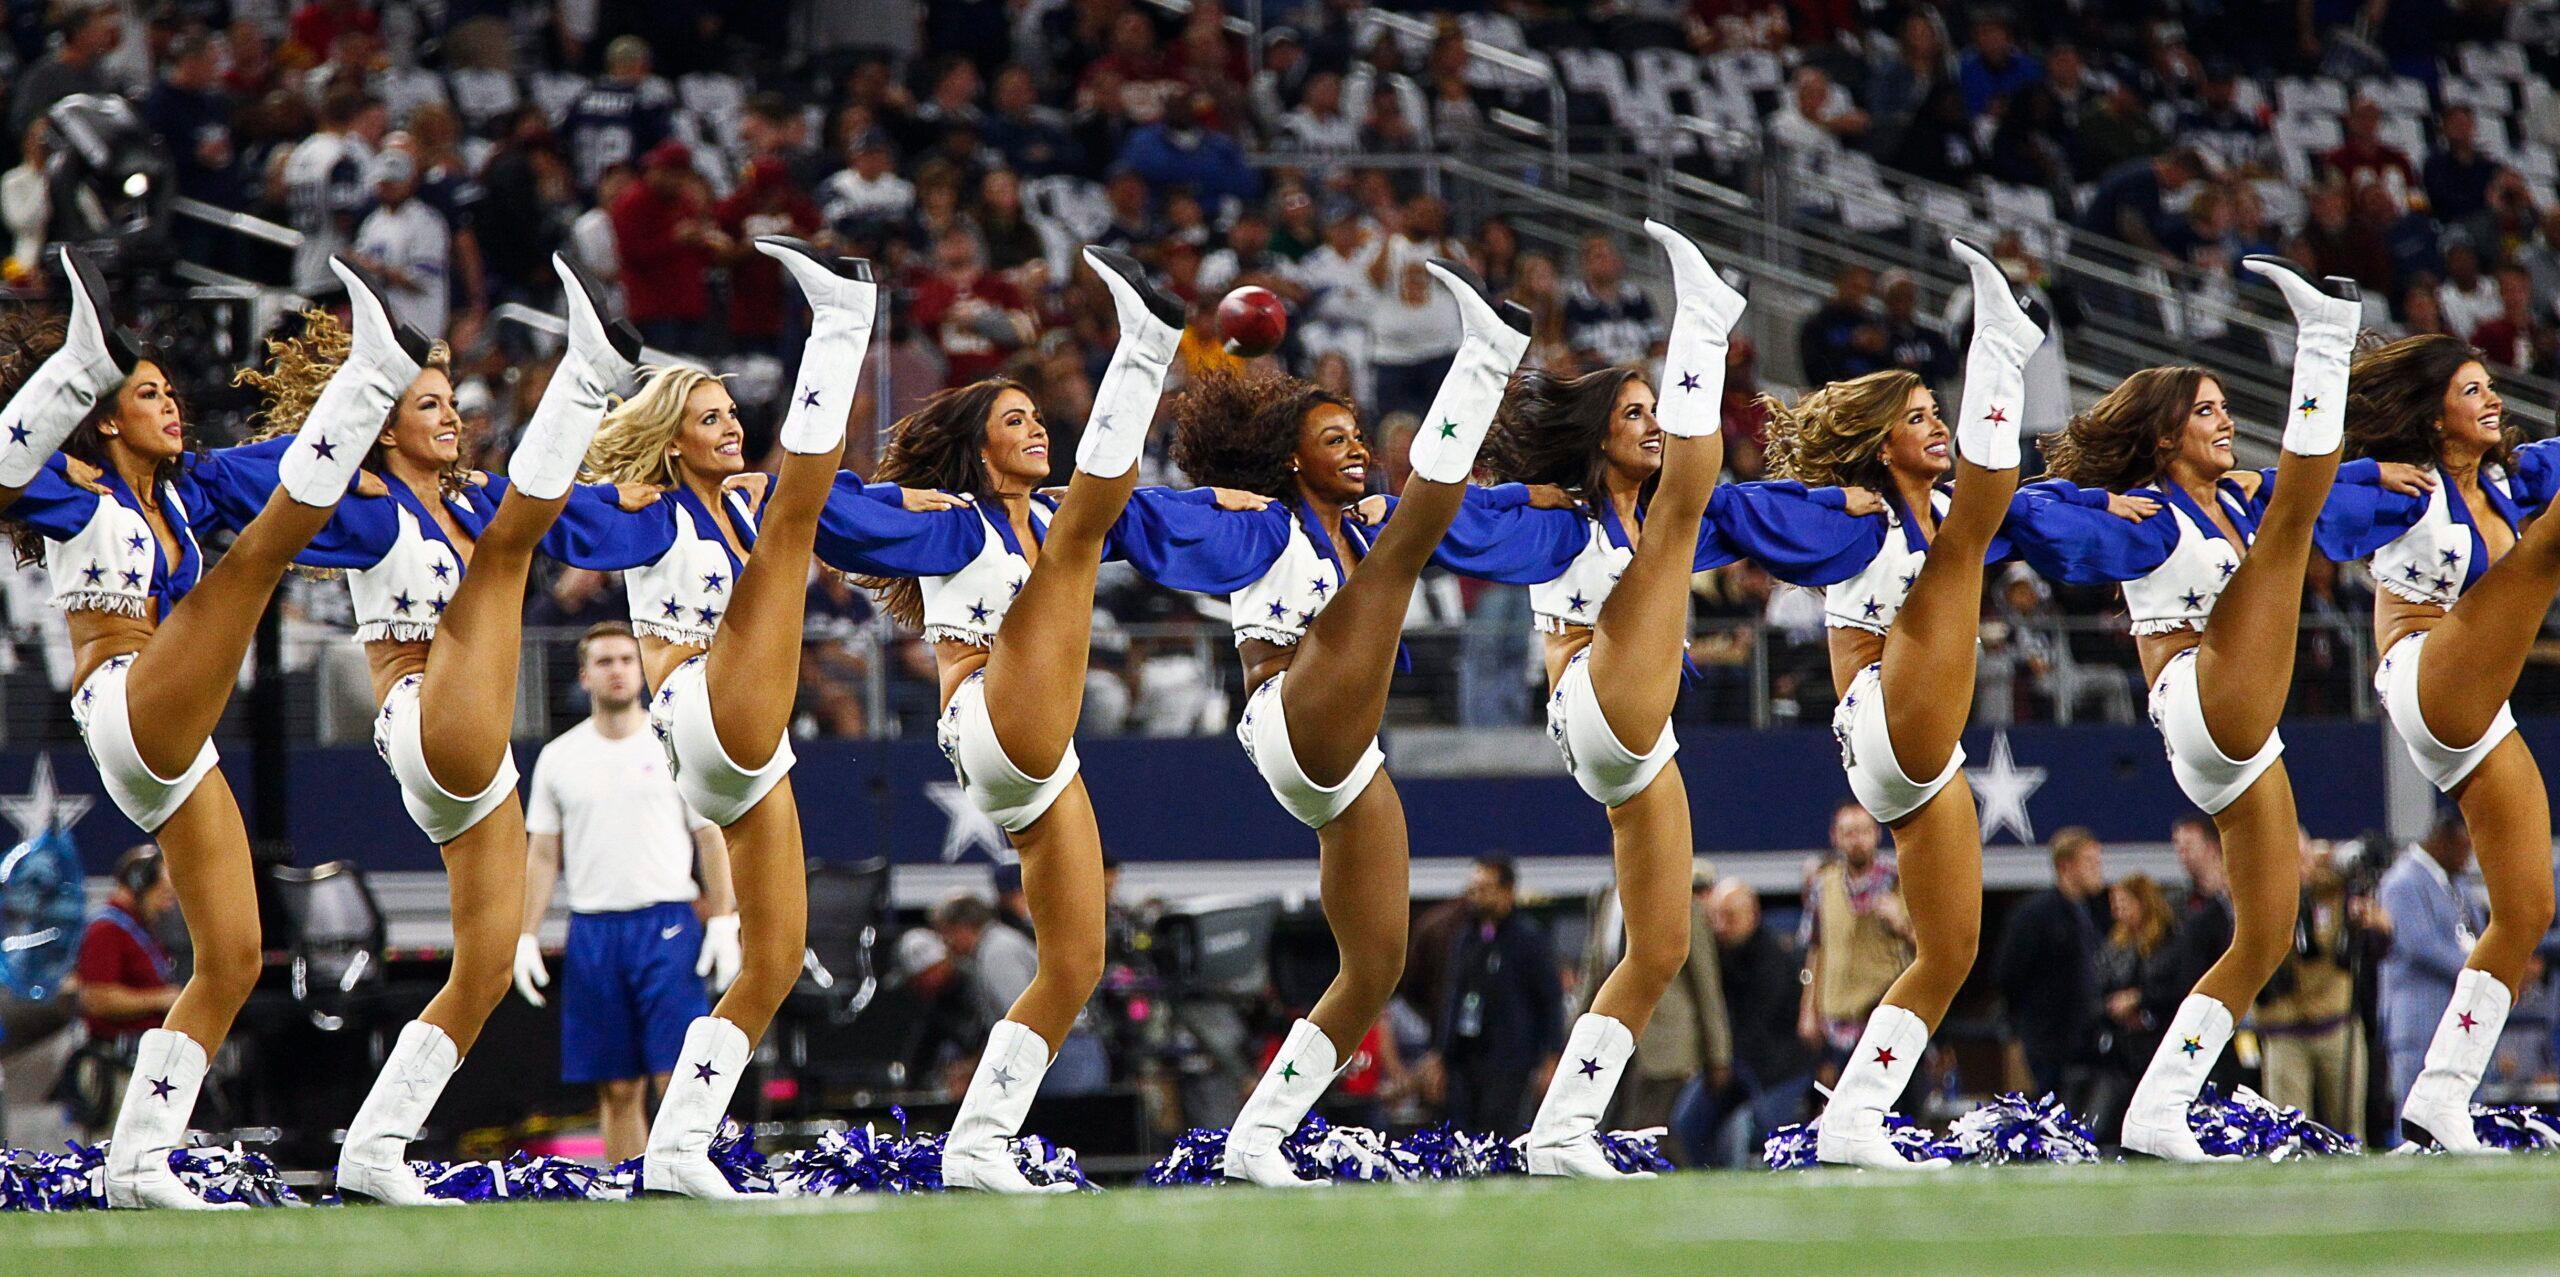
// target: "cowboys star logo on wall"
[[2002, 789], [965, 826]]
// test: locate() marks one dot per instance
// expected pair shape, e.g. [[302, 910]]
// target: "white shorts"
[[1866, 753], [717, 788], [1605, 768], [2396, 682], [1265, 733], [998, 788], [2209, 778], [144, 798], [441, 814]]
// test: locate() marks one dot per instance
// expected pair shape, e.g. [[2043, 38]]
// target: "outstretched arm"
[[1803, 536]]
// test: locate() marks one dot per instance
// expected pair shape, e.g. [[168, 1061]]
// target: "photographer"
[[2307, 1023]]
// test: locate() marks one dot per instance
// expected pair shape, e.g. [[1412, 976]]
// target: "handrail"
[[1492, 55], [239, 223]]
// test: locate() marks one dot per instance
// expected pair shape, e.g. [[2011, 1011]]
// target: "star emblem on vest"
[[323, 449], [1998, 415], [1884, 1057], [1589, 1069], [1278, 609], [437, 604], [162, 1088], [94, 573], [2411, 572], [17, 434], [1319, 585], [1871, 607], [1688, 381], [443, 571], [1002, 1077], [1289, 1071], [2444, 583], [132, 578], [2228, 567], [2450, 558], [401, 603], [2192, 598], [809, 397], [1306, 619], [2310, 404], [1015, 586], [2191, 1048], [704, 1073], [2467, 1021], [134, 542], [88, 694], [1448, 428], [1908, 578], [711, 582], [978, 611], [1576, 603], [706, 615], [674, 611]]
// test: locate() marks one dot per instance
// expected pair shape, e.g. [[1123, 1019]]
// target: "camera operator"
[[2308, 1026]]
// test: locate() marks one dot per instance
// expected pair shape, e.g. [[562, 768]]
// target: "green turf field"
[[2401, 1215]]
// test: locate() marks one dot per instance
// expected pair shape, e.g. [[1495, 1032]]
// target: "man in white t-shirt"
[[324, 182], [606, 821], [405, 241]]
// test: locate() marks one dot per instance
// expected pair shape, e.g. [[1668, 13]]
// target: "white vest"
[[968, 606], [1871, 599], [1574, 598], [1279, 607], [403, 597], [2180, 593], [107, 565], [680, 597], [2435, 560]]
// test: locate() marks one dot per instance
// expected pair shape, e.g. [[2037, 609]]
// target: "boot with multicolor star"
[[1305, 1066], [2155, 1123]]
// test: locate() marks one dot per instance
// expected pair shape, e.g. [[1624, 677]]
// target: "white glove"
[[720, 952], [530, 973]]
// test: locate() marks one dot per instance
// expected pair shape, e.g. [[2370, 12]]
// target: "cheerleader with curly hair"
[[1902, 597], [2211, 563], [95, 466], [1000, 579], [436, 561], [1640, 465], [2467, 566], [1319, 603]]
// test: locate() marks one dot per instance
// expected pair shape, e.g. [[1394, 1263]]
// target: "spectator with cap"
[[624, 113], [90, 29], [2364, 158], [1033, 138], [405, 241], [866, 199], [663, 229], [128, 980], [1181, 150]]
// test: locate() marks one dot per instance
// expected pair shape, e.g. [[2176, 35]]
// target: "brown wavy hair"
[[2395, 399], [299, 368], [28, 337], [2116, 444], [1238, 429], [1553, 429], [1835, 435], [942, 445]]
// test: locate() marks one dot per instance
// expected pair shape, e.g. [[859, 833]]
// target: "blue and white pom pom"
[[1358, 1155], [1790, 1148], [2013, 1129], [731, 1150], [2515, 1127], [870, 1160], [522, 1177], [35, 1180], [1446, 1153], [2247, 1124]]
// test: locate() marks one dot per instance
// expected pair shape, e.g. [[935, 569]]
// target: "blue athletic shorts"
[[627, 991]]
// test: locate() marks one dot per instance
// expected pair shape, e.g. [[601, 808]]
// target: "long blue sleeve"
[[1803, 536], [227, 487], [52, 504], [2533, 474], [2055, 529], [1180, 539], [595, 532], [2361, 516], [1498, 536], [860, 533]]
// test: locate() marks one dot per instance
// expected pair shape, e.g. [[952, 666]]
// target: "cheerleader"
[[2211, 562], [2467, 573], [1903, 597], [436, 560], [158, 637], [720, 635], [1001, 583], [1319, 604], [1616, 621]]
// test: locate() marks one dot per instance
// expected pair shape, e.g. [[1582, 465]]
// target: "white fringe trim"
[[2411, 593], [112, 602], [396, 632], [2167, 625], [1844, 623], [958, 634], [1559, 625], [1282, 638], [687, 635]]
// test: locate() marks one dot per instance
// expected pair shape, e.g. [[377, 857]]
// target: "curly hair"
[[1553, 429], [941, 445], [1237, 429], [28, 337], [632, 444], [2395, 399], [1836, 434], [2118, 443], [300, 366]]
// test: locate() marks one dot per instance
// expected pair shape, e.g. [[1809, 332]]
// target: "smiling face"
[[710, 444], [2474, 415], [424, 427], [1332, 458], [146, 422], [1633, 452], [1917, 448], [2201, 446], [1017, 447]]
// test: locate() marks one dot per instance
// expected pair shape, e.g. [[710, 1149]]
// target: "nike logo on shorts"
[[671, 932]]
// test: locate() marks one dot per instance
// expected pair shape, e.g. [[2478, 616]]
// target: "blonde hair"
[[300, 367], [1836, 434], [634, 443]]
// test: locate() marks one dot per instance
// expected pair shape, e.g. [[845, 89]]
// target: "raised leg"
[[1036, 669], [1928, 658], [1336, 695], [752, 673], [2474, 655]]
